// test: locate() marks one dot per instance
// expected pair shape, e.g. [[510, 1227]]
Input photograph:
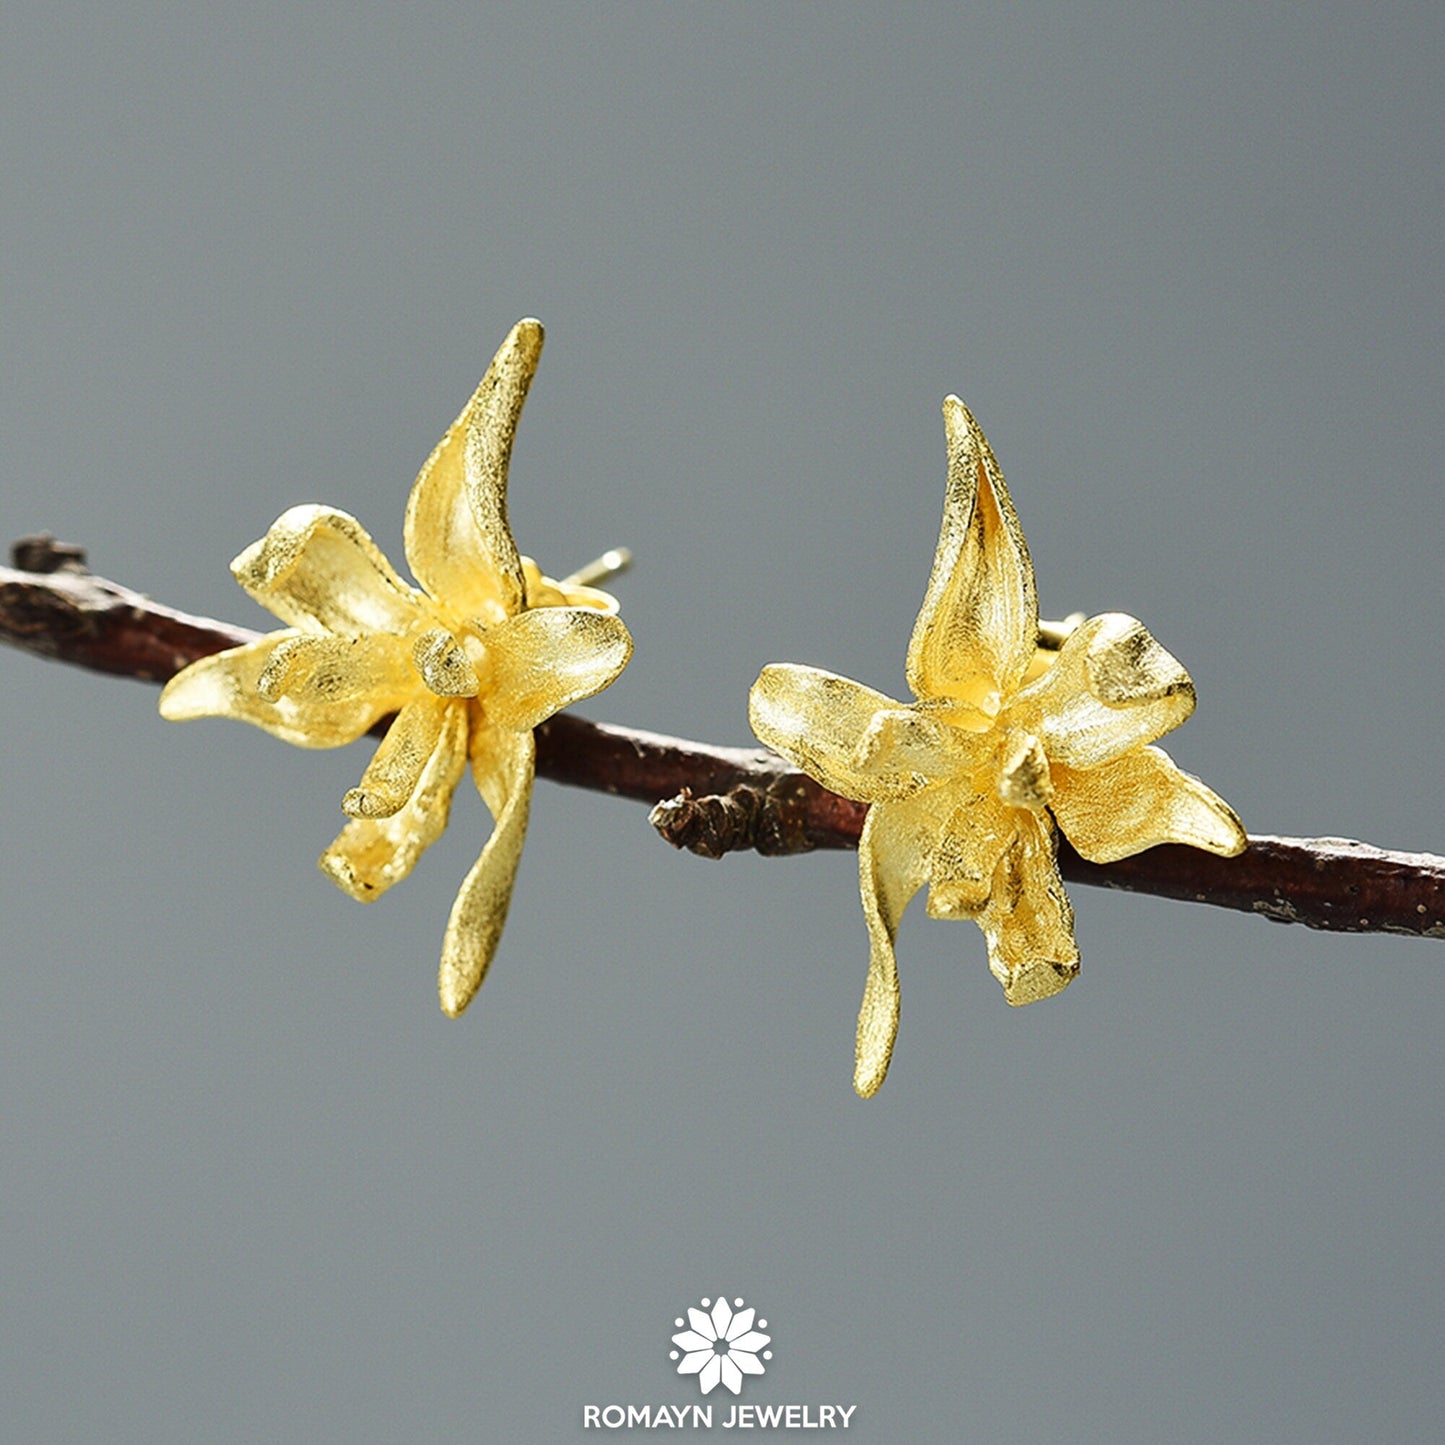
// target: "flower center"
[[1023, 776], [446, 665]]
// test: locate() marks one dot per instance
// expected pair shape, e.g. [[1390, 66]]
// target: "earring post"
[[610, 564]]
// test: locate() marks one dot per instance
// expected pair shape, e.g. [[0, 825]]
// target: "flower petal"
[[227, 684], [1111, 690], [732, 1377], [893, 863], [1028, 921], [747, 1362], [1137, 801], [692, 1341], [338, 673], [722, 1317], [976, 632], [547, 658], [370, 854], [749, 1343], [910, 741], [710, 1374], [818, 720], [973, 836], [318, 570], [503, 764], [458, 542], [691, 1364], [742, 1323], [392, 776]]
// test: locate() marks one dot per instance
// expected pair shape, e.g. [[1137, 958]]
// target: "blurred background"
[[1183, 264]]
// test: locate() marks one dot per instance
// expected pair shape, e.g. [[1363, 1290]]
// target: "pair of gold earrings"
[[1013, 730]]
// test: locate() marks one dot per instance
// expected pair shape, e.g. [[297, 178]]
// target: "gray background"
[[1184, 265]]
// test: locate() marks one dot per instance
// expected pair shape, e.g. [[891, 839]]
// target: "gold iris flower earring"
[[1007, 738], [469, 662]]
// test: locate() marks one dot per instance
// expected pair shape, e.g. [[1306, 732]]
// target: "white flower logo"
[[721, 1347]]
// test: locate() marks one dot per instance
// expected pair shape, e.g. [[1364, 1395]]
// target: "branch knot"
[[742, 818]]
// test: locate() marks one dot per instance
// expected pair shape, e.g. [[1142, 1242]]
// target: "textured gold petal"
[[974, 832], [547, 658], [370, 854], [907, 741], [458, 542], [503, 763], [394, 773], [227, 684], [892, 866], [1137, 801], [975, 635], [1111, 690], [325, 675], [817, 720], [318, 570], [1028, 921]]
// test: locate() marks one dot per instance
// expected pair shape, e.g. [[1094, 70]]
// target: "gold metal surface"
[[470, 662], [1016, 727]]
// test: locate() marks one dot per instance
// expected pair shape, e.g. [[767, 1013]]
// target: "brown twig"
[[718, 800]]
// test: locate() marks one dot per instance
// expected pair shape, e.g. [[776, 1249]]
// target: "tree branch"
[[718, 800]]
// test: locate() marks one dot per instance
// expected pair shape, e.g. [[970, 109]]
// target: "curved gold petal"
[[547, 658], [326, 675], [907, 741], [1028, 921], [394, 773], [503, 763], [818, 720], [1111, 690], [318, 570], [893, 855], [975, 635], [227, 684], [1137, 801], [370, 854], [458, 542], [974, 833]]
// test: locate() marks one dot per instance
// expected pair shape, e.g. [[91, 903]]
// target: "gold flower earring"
[[470, 662], [1006, 738]]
